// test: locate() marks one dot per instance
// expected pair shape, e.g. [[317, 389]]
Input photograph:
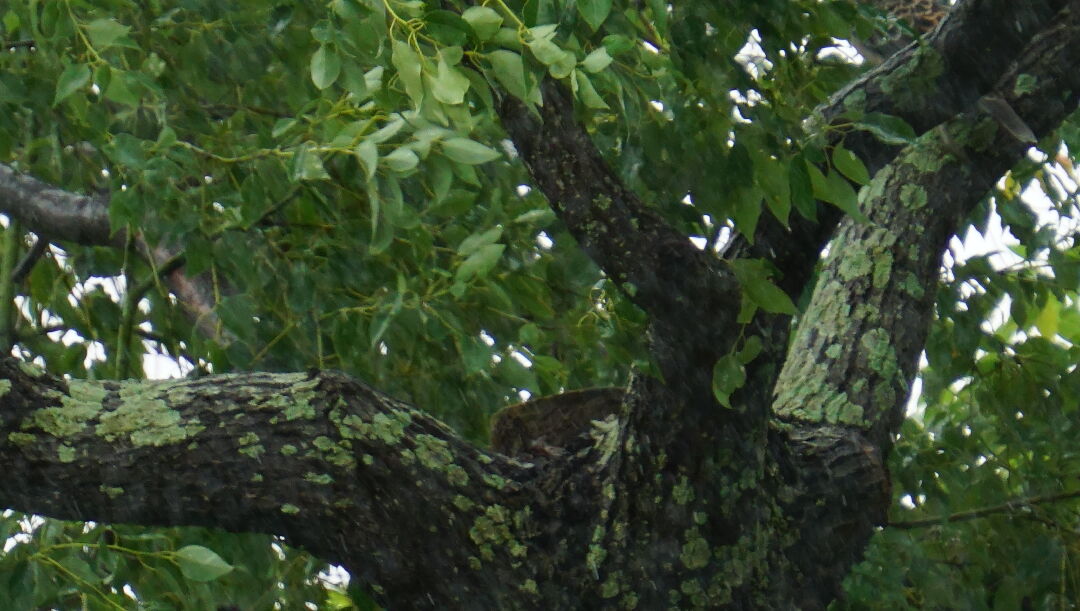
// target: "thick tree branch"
[[924, 84], [854, 353], [655, 264], [337, 468], [870, 311]]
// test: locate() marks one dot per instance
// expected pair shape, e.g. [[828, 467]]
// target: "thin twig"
[[1006, 507]]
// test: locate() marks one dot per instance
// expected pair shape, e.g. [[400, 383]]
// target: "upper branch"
[[656, 265], [856, 348], [56, 214], [924, 84], [53, 212]]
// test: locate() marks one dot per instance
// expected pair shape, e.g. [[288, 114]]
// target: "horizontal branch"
[[972, 514], [55, 213], [336, 467], [58, 215]]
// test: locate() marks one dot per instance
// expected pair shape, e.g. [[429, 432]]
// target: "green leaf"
[[596, 61], [447, 27], [450, 84], [471, 152], [801, 189], [368, 154], [887, 128], [772, 178], [547, 52], [617, 44], [401, 160], [105, 32], [747, 212], [753, 277], [479, 239], [72, 79], [594, 12], [201, 564], [120, 88], [307, 165], [484, 21], [325, 66], [836, 190], [409, 65], [510, 72], [728, 376], [1049, 318], [479, 263], [850, 165], [585, 91]]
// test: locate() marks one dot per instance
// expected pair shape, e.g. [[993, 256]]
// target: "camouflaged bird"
[[907, 19]]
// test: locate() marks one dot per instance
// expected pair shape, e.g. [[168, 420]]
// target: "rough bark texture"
[[674, 501]]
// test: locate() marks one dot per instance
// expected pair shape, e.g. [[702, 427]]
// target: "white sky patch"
[[521, 359]]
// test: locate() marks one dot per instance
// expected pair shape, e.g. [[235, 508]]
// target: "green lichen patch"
[[31, 369], [434, 453], [492, 530], [612, 585], [695, 552], [82, 404], [65, 453], [333, 452], [253, 451], [605, 434], [913, 197], [495, 481], [912, 286], [838, 409], [63, 422], [388, 427], [1025, 83], [463, 503], [290, 509], [882, 270], [22, 439], [683, 492], [879, 352], [111, 491], [5, 387], [911, 84], [318, 478], [855, 265], [144, 418]]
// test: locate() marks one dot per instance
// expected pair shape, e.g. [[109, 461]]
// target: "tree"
[[457, 204]]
